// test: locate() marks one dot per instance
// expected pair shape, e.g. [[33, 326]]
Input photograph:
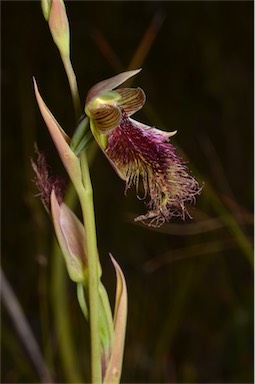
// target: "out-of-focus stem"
[[21, 325], [232, 225], [61, 309], [62, 318]]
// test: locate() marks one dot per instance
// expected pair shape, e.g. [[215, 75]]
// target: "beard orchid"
[[139, 153]]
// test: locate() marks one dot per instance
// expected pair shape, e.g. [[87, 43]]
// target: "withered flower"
[[45, 181]]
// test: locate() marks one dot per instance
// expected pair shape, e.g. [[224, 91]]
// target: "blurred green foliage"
[[190, 283]]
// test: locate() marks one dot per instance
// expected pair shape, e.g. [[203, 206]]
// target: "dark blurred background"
[[190, 283]]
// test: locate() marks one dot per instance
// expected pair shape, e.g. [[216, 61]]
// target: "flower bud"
[[70, 234], [46, 4], [58, 24]]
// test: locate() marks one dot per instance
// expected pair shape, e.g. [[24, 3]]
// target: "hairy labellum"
[[143, 154]]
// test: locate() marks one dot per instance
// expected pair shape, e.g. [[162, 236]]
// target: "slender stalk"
[[86, 200], [87, 206], [73, 85]]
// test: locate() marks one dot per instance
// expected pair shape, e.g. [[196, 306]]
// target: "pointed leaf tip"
[[113, 371], [61, 140], [131, 99]]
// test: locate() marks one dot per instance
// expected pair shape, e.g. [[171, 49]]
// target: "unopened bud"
[[70, 234], [59, 26], [46, 4]]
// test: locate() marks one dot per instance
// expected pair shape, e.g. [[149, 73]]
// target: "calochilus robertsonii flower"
[[139, 153]]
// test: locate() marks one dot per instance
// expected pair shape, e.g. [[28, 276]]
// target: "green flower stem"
[[87, 206], [73, 85], [86, 200]]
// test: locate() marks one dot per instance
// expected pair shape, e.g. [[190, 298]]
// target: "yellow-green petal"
[[99, 137], [109, 84], [106, 117], [131, 100]]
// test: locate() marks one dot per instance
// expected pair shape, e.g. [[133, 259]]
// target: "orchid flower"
[[139, 153]]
